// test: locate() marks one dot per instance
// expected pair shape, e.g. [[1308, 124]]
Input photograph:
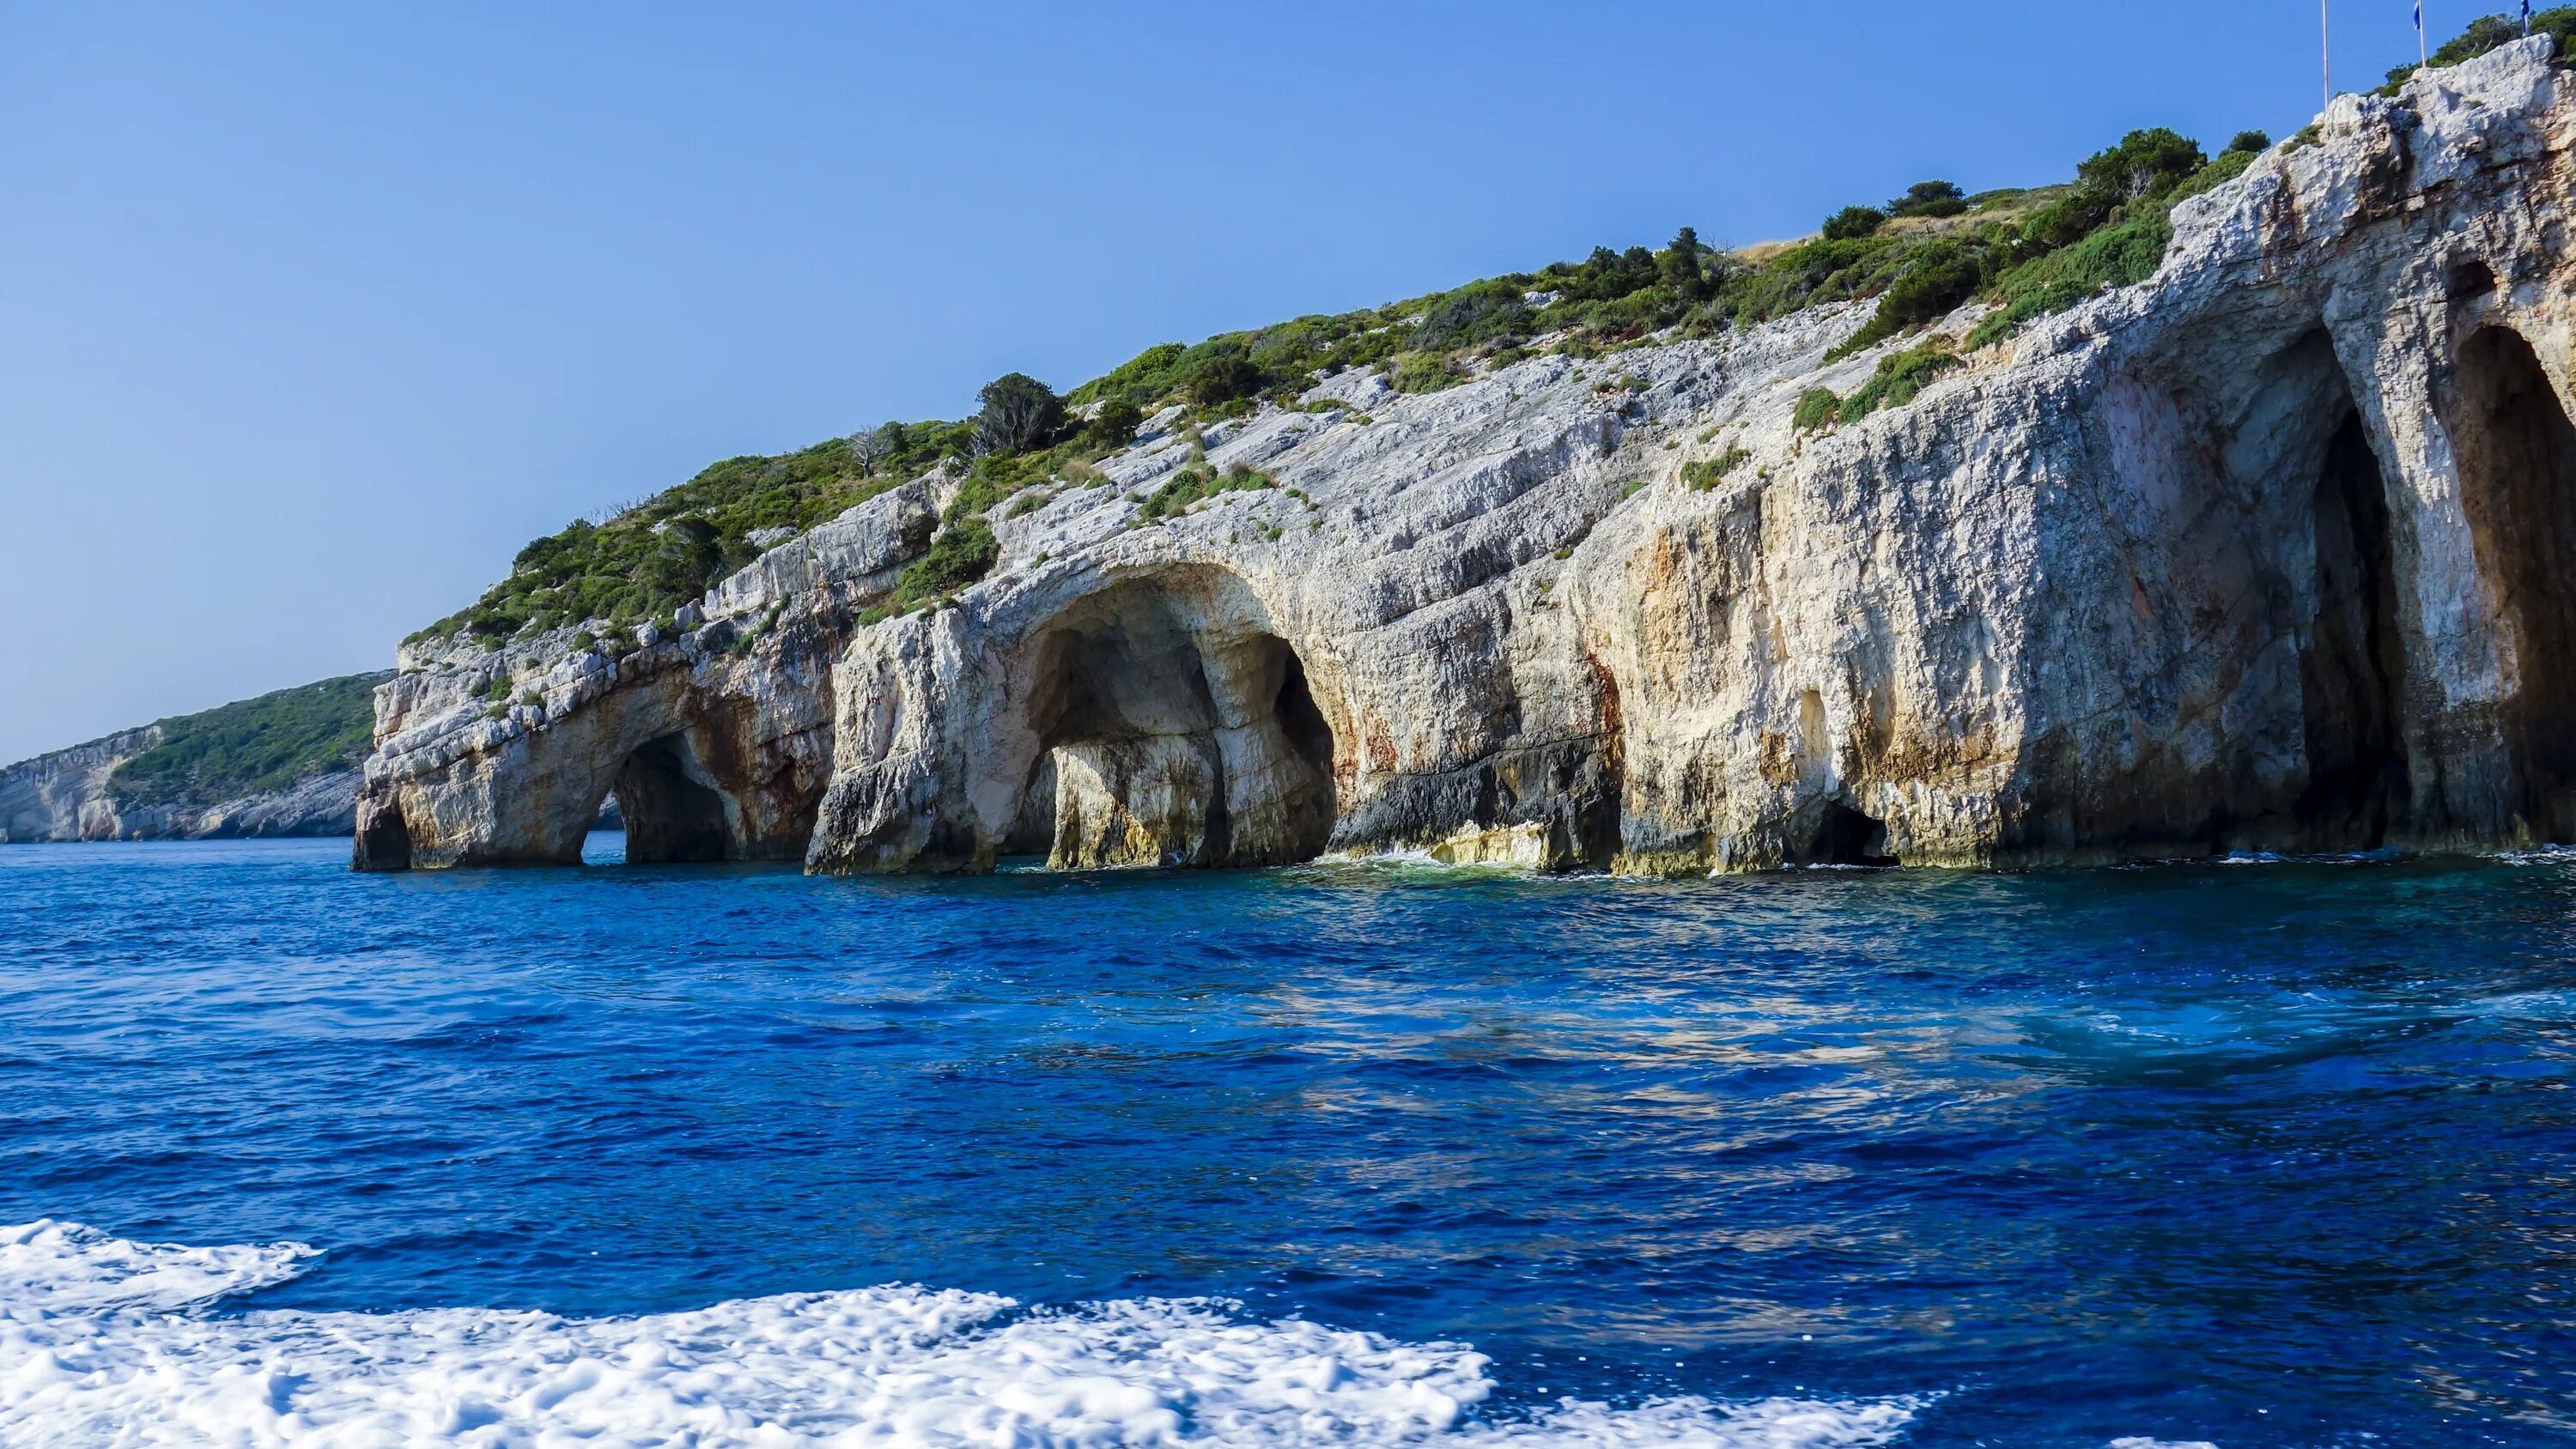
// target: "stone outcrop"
[[715, 740], [2276, 550]]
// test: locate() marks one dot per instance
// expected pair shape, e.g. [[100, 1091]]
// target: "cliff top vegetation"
[[253, 745], [1921, 254]]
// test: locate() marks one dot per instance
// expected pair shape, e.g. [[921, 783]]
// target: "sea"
[[2243, 1153]]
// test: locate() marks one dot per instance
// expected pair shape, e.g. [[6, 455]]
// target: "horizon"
[[319, 325]]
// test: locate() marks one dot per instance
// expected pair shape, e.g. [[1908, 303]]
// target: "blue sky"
[[310, 315]]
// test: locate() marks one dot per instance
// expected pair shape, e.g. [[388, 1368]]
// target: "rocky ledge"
[[2276, 550]]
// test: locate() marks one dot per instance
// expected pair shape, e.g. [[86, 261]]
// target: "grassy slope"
[[2026, 252], [252, 745]]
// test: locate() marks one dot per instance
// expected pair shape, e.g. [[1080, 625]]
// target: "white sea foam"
[[55, 1267], [104, 1341]]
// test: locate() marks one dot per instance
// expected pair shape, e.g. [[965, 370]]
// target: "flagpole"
[[2325, 53], [2420, 57]]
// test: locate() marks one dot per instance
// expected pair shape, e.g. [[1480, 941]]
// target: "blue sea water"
[[2262, 1154]]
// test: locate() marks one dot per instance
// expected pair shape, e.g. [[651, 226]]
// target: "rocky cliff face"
[[284, 763], [2274, 551]]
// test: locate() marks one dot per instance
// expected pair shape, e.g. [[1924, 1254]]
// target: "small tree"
[[2250, 141], [875, 447], [1930, 198], [1223, 378], [1854, 222], [2145, 163], [1680, 268], [1019, 413]]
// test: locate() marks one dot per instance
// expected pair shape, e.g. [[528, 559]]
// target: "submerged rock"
[[2276, 550]]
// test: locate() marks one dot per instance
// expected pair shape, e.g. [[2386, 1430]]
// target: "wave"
[[103, 1340]]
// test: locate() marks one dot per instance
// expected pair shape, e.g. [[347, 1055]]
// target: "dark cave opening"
[[2351, 663], [1844, 836], [385, 843], [671, 816], [2516, 454]]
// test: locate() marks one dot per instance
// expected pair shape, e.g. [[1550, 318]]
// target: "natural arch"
[[1169, 731], [2516, 455], [672, 811]]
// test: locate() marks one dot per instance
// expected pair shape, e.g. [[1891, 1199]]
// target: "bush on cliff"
[[1017, 413], [1929, 198], [964, 551], [1854, 222], [1934, 281], [1898, 378]]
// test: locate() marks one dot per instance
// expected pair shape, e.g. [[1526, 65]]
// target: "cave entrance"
[[2351, 660], [673, 812], [2517, 467], [1169, 736], [1845, 837]]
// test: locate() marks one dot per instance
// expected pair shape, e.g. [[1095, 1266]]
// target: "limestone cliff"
[[282, 764], [2274, 550]]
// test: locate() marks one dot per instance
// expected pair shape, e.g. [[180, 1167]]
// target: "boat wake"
[[104, 1340]]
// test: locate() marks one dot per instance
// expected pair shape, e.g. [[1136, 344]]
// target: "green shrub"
[[1191, 485], [1854, 222], [1682, 267], [1224, 378], [1115, 425], [1898, 378], [1018, 413], [252, 745], [963, 552], [2229, 165], [2064, 220], [1703, 475], [1929, 198], [1472, 316], [1816, 410], [2147, 162], [2256, 142], [1425, 372], [1939, 278]]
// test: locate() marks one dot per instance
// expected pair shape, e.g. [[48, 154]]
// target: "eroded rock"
[[2271, 551]]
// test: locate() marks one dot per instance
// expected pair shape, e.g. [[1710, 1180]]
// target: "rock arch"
[[673, 810], [1164, 723], [2515, 452]]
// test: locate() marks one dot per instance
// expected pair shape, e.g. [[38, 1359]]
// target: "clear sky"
[[311, 314]]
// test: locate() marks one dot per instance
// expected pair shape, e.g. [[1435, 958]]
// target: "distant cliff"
[[2199, 505], [285, 763]]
